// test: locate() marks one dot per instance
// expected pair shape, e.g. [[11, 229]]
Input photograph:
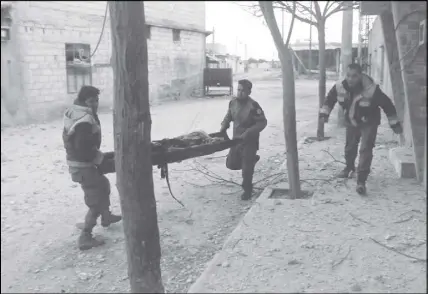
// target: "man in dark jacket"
[[248, 121], [82, 141], [360, 99]]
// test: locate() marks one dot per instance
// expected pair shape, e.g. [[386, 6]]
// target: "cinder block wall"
[[413, 64], [44, 27]]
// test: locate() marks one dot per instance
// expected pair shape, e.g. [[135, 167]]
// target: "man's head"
[[88, 96], [354, 75], [244, 89]]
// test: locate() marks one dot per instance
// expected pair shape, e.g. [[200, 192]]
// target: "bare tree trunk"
[[289, 104], [346, 53], [132, 138], [322, 76], [289, 118]]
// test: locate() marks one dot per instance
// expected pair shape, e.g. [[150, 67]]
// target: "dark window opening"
[[78, 66], [176, 35], [148, 32]]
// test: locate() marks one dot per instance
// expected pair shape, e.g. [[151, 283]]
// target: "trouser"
[[96, 189], [243, 157], [248, 156], [367, 135]]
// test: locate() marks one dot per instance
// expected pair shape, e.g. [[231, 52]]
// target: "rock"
[[277, 202], [225, 264], [189, 280], [293, 262], [83, 276], [389, 237]]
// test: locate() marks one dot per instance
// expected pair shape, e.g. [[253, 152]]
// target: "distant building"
[[308, 53], [52, 49], [217, 57], [397, 55]]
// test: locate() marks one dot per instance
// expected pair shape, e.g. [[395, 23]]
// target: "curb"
[[197, 286]]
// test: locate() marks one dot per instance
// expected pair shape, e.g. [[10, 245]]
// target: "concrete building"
[[397, 56], [53, 47], [217, 57]]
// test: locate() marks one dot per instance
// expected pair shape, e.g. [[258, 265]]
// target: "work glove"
[[323, 117], [397, 128]]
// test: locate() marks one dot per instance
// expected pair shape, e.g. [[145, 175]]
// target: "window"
[[176, 35], [382, 63], [148, 32], [78, 66]]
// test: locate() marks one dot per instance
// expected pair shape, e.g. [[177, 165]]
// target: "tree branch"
[[300, 7], [341, 6], [290, 30]]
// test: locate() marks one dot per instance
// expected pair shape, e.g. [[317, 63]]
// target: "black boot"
[[346, 173], [361, 188], [246, 195], [107, 218], [87, 241]]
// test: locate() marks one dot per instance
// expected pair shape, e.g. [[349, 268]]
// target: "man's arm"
[[259, 117], [329, 103], [85, 147], [225, 124], [388, 107]]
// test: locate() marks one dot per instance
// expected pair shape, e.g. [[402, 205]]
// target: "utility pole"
[[345, 52], [132, 144], [360, 38], [213, 35], [310, 44]]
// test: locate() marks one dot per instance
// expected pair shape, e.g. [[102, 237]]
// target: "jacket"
[[82, 137], [247, 117], [361, 105]]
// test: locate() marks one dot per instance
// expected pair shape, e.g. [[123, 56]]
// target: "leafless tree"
[[289, 99], [313, 15]]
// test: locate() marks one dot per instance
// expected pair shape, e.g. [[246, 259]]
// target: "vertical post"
[[213, 35], [346, 52], [360, 38], [310, 44], [132, 143]]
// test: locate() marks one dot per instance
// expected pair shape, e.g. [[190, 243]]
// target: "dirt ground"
[[40, 205]]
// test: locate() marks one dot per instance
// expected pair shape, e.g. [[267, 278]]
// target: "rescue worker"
[[82, 140], [360, 97], [248, 121]]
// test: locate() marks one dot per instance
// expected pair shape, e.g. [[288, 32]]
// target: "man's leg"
[[368, 140], [96, 188], [353, 136], [249, 159]]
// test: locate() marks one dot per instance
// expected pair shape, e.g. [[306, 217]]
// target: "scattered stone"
[[83, 276], [293, 262], [389, 237], [277, 202], [225, 264]]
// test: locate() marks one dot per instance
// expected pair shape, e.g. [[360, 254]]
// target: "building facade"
[[397, 58], [54, 47]]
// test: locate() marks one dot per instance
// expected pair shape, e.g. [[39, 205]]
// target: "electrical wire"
[[102, 32]]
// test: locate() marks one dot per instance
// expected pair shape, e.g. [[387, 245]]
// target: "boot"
[[86, 241], [246, 195], [361, 188], [108, 218], [345, 173]]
